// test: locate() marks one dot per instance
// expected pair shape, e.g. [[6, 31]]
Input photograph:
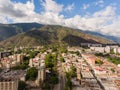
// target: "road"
[[92, 71], [61, 84]]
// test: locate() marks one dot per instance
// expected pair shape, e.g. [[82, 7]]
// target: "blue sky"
[[96, 15], [78, 5]]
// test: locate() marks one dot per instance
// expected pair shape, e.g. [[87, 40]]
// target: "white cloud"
[[97, 22], [24, 12], [52, 6], [109, 11], [3, 19], [105, 21], [51, 14], [112, 29], [85, 6], [16, 9], [99, 3], [70, 7]]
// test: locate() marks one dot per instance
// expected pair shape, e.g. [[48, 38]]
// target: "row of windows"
[[8, 86]]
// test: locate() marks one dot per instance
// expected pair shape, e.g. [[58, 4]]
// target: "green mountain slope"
[[50, 34], [9, 30]]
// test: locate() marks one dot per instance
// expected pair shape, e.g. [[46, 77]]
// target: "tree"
[[21, 85], [73, 71], [54, 59], [102, 55], [99, 62], [63, 50], [43, 50], [69, 83], [22, 66], [112, 51], [78, 53], [48, 61], [62, 59], [73, 68], [31, 74], [49, 65], [115, 60], [51, 60], [54, 79], [54, 48], [33, 53], [45, 85], [112, 70]]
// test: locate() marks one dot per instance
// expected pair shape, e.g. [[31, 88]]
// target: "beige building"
[[98, 49], [34, 62], [8, 84], [20, 58], [107, 49]]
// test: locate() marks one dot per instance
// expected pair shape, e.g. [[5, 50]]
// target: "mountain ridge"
[[9, 30], [49, 34], [115, 39]]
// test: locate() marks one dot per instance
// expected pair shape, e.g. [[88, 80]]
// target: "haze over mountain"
[[114, 38]]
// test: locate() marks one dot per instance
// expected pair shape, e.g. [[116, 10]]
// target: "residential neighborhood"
[[71, 68]]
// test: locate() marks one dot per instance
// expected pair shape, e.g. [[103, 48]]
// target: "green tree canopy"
[[31, 74], [21, 85]]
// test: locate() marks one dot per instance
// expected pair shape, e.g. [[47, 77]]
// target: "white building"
[[100, 49], [107, 49], [116, 50]]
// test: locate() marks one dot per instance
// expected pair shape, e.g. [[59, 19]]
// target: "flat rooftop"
[[87, 75]]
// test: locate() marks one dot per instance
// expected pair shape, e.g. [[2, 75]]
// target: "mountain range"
[[113, 38], [30, 34]]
